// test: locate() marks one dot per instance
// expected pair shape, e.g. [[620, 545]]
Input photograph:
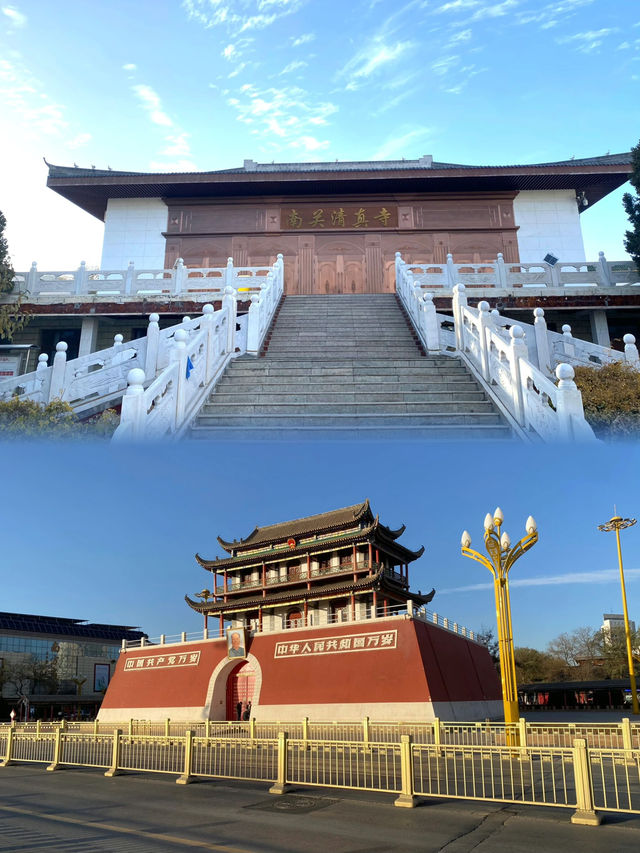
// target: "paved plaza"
[[80, 811]]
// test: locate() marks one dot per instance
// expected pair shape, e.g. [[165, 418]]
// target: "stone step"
[[325, 419], [356, 368], [361, 432], [225, 397], [296, 407], [306, 386]]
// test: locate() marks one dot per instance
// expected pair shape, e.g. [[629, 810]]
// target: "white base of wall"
[[409, 712], [548, 221], [133, 232]]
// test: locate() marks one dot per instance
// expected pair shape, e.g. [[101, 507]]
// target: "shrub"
[[611, 399], [26, 418]]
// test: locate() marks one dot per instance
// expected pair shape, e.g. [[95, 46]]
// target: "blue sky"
[[108, 534], [204, 84]]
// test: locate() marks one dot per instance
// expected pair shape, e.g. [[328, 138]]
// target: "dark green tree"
[[632, 207], [12, 314]]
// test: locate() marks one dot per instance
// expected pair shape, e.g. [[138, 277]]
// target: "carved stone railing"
[[204, 283], [510, 276], [552, 412]]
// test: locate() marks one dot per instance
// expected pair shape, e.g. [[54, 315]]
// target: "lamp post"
[[617, 523], [499, 562]]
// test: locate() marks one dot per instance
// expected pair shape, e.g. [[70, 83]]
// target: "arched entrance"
[[241, 684]]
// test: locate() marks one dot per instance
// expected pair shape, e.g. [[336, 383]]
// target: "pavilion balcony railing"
[[301, 576], [196, 283]]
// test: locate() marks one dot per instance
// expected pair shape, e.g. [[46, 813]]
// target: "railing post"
[[252, 728], [153, 342], [555, 275], [518, 350], [458, 302], [128, 278], [229, 299], [167, 727], [567, 340], [179, 354], [96, 727], [280, 785], [38, 728], [431, 327], [130, 726], [585, 813], [569, 400], [178, 276], [229, 276], [188, 759], [631, 350], [627, 742], [9, 751], [365, 731], [522, 731], [207, 728], [32, 278], [484, 324], [501, 272], [305, 731], [63, 725], [253, 326], [115, 753], [437, 732], [406, 799], [57, 751], [542, 340], [133, 406], [56, 388], [81, 278], [604, 277], [452, 271]]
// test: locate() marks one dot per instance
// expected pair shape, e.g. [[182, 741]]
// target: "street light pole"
[[617, 523], [501, 558]]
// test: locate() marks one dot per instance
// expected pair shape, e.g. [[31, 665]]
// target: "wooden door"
[[240, 689]]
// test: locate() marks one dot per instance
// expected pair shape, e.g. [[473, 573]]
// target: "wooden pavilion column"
[[370, 558], [375, 603], [306, 612], [225, 585], [260, 617], [355, 563], [215, 583], [353, 607], [308, 570], [264, 580], [222, 624]]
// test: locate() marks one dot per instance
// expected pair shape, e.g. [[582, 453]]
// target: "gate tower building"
[[315, 618]]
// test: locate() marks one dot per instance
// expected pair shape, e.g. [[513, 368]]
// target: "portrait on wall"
[[101, 674], [236, 643]]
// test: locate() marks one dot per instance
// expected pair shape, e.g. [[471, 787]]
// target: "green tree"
[[580, 651], [632, 207], [12, 314], [614, 651], [533, 665], [27, 419], [28, 675]]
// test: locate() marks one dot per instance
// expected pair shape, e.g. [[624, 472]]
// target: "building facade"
[[312, 617], [53, 666]]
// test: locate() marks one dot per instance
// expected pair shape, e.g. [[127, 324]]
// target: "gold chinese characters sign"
[[162, 661], [336, 645], [338, 217]]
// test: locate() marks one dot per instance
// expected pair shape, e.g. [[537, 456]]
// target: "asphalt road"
[[81, 811]]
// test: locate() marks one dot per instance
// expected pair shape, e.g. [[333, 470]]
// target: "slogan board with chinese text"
[[337, 217], [372, 641], [161, 661]]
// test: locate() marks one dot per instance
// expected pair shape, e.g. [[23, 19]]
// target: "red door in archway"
[[240, 688]]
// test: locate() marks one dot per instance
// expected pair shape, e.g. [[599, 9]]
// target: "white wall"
[[133, 232], [549, 222]]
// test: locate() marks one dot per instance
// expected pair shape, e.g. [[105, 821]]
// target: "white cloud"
[[371, 57], [240, 16], [16, 18], [230, 51], [293, 66], [457, 6], [22, 93], [590, 40], [284, 114], [305, 38], [152, 104], [130, 66], [459, 38], [603, 576], [398, 146], [444, 65], [495, 11], [79, 140]]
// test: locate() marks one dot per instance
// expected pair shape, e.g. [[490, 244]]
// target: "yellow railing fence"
[[577, 776]]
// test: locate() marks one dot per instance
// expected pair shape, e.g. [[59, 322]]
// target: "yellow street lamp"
[[501, 557], [617, 523]]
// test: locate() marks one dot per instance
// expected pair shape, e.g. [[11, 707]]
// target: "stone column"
[[600, 328], [88, 336]]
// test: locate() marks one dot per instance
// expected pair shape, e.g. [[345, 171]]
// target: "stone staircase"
[[346, 366]]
